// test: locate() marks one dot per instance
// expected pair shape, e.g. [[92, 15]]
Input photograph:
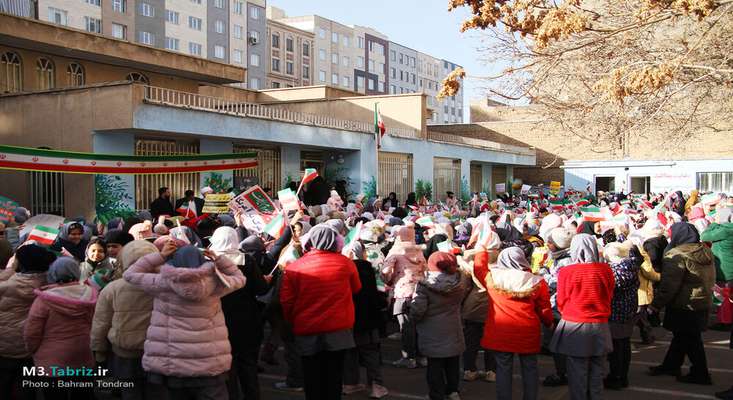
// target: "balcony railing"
[[480, 143], [176, 98]]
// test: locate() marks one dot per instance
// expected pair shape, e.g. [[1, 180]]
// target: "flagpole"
[[376, 153]]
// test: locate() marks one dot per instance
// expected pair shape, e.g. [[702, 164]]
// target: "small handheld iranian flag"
[[379, 127], [43, 235], [593, 214], [276, 226], [425, 221], [308, 175]]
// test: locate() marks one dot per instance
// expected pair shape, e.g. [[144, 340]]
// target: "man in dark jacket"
[[194, 205], [162, 205]]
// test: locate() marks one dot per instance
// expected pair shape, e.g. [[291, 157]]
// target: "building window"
[[393, 72], [335, 58], [335, 79], [172, 16], [254, 13], [219, 51], [289, 68], [254, 60], [137, 78], [289, 44], [321, 33], [238, 7], [219, 3], [146, 38], [306, 72], [254, 37], [10, 73], [381, 69], [370, 82], [413, 78], [402, 57], [392, 89], [194, 23], [172, 43], [717, 182], [360, 42], [276, 85], [345, 40], [57, 16], [94, 2], [93, 25], [360, 62], [276, 65], [306, 50], [380, 86], [345, 61], [237, 56], [75, 75], [322, 76], [372, 66], [345, 81], [237, 32], [412, 62], [392, 55], [322, 54], [119, 6], [275, 40], [194, 48], [359, 82], [196, 1], [402, 75], [147, 10], [334, 37], [219, 26], [254, 83], [119, 31]]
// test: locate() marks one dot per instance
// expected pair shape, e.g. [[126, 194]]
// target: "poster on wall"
[[501, 188]]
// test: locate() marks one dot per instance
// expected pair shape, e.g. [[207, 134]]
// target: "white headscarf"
[[224, 241]]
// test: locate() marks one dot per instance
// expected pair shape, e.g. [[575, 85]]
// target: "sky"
[[424, 25]]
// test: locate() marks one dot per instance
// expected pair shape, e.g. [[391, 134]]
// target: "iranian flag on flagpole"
[[277, 225], [43, 235], [379, 128]]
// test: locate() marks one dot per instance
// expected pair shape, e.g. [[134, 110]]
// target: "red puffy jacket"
[[316, 293], [584, 292], [518, 303]]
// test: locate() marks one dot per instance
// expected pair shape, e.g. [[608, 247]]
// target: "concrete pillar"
[[120, 187], [289, 163], [368, 167], [509, 178], [486, 183], [222, 179], [422, 168], [465, 175]]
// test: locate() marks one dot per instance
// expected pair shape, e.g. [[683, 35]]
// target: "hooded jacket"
[[721, 235], [57, 330], [518, 302], [436, 309], [403, 268], [17, 293], [688, 277], [187, 336], [122, 313]]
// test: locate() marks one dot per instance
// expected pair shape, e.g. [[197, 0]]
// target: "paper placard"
[[555, 187], [500, 188], [525, 189], [288, 200], [253, 199], [51, 221], [217, 203], [446, 247]]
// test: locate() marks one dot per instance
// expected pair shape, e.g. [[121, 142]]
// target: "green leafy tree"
[[465, 191], [370, 188], [111, 198], [217, 182]]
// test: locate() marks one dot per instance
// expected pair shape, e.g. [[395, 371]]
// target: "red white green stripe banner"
[[43, 235], [30, 159]]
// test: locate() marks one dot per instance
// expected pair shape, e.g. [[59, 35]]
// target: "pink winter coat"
[[403, 268], [58, 326], [17, 292], [187, 336]]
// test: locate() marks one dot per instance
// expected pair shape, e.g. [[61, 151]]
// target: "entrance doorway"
[[605, 183], [640, 184]]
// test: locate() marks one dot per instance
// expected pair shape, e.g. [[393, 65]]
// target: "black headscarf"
[[33, 258], [682, 233], [254, 247], [588, 227]]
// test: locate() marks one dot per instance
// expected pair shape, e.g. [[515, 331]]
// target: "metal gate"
[[267, 170], [395, 174], [47, 193], [476, 178], [146, 186], [446, 177]]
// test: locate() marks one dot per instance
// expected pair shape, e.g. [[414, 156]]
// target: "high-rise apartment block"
[[277, 51]]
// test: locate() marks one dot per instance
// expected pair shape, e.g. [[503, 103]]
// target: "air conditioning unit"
[[253, 40]]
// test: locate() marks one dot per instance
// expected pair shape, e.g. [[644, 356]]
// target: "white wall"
[[664, 175]]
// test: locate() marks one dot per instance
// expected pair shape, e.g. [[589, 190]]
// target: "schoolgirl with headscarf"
[[584, 293]]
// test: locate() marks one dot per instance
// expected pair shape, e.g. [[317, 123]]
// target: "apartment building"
[[291, 52], [402, 69], [226, 31]]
